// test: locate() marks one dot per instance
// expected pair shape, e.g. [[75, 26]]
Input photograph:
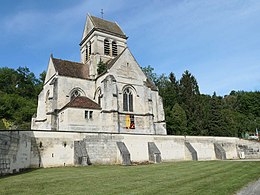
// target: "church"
[[104, 110], [106, 92]]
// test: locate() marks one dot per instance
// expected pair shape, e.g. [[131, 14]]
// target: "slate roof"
[[82, 102], [71, 69], [107, 26]]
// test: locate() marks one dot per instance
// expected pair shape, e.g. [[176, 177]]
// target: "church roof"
[[107, 26], [82, 102], [101, 25], [71, 69]]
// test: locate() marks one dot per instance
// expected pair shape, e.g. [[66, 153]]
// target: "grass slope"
[[211, 177]]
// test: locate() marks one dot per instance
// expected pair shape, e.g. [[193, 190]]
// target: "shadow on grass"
[[20, 172]]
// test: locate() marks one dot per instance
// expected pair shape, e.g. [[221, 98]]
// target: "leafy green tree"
[[149, 72], [8, 80], [18, 96], [42, 76], [249, 103], [17, 109], [26, 82], [2, 126]]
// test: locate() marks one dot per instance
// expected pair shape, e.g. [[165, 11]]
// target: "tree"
[[102, 67], [248, 102], [189, 99], [18, 96], [188, 85], [176, 120], [217, 124], [149, 72], [26, 82], [42, 76], [203, 113], [8, 80], [168, 89], [2, 126]]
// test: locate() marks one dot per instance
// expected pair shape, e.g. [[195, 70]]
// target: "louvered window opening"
[[87, 57], [106, 47], [114, 48], [89, 50]]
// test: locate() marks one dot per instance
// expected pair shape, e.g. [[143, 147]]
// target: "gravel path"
[[251, 189]]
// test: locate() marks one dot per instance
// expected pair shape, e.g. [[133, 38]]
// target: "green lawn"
[[207, 177]]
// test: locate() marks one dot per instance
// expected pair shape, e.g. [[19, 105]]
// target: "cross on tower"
[[102, 13]]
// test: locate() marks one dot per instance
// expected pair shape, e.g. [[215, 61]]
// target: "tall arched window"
[[128, 100], [98, 96], [47, 102], [114, 48], [106, 47]]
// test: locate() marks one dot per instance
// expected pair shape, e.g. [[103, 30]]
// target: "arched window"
[[128, 100], [98, 96], [47, 102], [114, 48], [106, 47], [74, 94]]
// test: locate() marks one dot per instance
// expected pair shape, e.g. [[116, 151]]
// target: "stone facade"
[[119, 100]]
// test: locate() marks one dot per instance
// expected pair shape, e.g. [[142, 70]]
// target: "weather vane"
[[102, 13]]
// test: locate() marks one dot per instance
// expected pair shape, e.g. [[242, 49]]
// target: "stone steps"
[[249, 151]]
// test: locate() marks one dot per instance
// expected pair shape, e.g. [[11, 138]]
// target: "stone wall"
[[24, 149], [15, 149], [102, 147]]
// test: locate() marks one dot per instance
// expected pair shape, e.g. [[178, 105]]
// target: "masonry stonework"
[[33, 149], [121, 99]]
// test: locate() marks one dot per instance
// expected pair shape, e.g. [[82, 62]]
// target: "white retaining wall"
[[50, 149], [102, 148]]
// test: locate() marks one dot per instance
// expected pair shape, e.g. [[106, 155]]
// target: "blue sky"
[[217, 41]]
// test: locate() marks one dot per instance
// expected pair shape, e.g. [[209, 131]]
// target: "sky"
[[217, 41]]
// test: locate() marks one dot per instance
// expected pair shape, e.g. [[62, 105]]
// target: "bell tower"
[[101, 40]]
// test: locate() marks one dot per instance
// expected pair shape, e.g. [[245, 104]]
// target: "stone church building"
[[104, 110], [106, 92]]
